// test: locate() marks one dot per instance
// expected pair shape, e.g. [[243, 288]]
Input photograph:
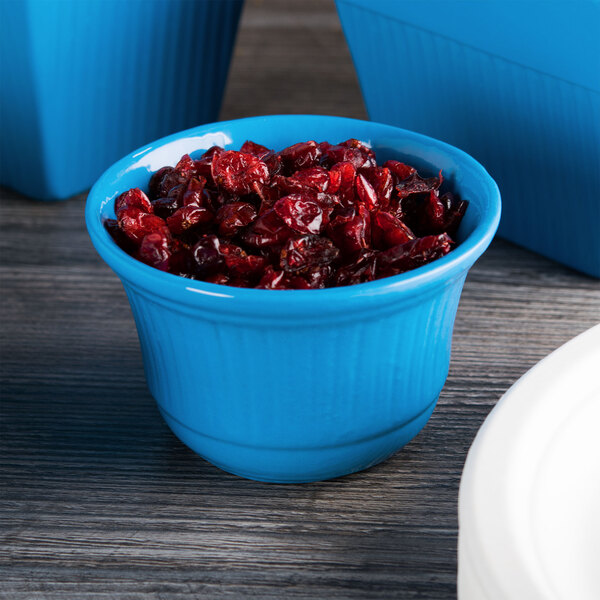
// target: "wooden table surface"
[[100, 501]]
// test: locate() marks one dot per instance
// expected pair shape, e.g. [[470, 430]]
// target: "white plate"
[[529, 503]]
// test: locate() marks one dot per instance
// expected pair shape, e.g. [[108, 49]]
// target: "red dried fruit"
[[307, 251], [203, 166], [242, 265], [280, 280], [154, 187], [273, 280], [327, 216], [186, 217], [250, 147], [315, 178], [206, 258], [364, 149], [194, 192], [136, 224], [359, 155], [350, 230], [133, 198], [301, 213], [388, 231], [317, 277], [341, 176], [234, 216], [236, 172], [219, 278], [268, 194], [382, 181], [300, 156], [365, 192], [155, 250], [268, 230], [361, 270], [399, 169], [415, 184], [165, 207], [413, 254], [116, 233]]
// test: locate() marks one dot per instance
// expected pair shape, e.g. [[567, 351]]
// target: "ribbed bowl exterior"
[[294, 400], [294, 386], [85, 82], [537, 134]]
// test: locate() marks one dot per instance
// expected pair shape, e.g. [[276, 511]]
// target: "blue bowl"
[[517, 85], [85, 82], [298, 385]]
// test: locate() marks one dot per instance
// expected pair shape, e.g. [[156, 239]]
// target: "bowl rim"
[[269, 302]]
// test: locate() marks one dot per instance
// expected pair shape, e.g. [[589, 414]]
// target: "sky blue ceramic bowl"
[[294, 386], [516, 84], [85, 81]]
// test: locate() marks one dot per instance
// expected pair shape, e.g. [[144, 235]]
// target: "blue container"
[[86, 81], [516, 84], [289, 385]]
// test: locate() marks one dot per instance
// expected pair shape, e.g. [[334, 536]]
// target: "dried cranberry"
[[366, 193], [133, 198], [318, 277], [300, 156], [351, 230], [382, 183], [388, 231], [413, 254], [360, 156], [203, 166], [116, 233], [154, 187], [234, 216], [268, 230], [399, 169], [242, 265], [341, 177], [415, 184], [155, 250], [194, 192], [187, 217], [301, 213], [219, 278], [361, 270], [280, 280], [250, 147], [136, 224], [314, 178], [237, 171], [307, 251], [206, 256], [165, 207]]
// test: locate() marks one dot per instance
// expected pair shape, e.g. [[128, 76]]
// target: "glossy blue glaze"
[[289, 385], [86, 81], [516, 84]]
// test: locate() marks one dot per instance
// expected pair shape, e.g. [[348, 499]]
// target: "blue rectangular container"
[[84, 82], [514, 83]]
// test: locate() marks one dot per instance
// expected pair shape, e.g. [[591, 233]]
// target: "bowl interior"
[[461, 172]]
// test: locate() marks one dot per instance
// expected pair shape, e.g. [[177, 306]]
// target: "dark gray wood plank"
[[98, 500]]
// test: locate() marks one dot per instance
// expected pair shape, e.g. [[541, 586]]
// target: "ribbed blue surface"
[[86, 82], [298, 385], [538, 135]]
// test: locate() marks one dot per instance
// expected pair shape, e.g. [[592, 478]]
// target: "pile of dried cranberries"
[[311, 216]]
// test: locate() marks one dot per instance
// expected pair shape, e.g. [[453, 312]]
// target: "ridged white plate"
[[529, 504]]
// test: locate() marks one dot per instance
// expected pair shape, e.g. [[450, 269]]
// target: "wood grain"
[[98, 500]]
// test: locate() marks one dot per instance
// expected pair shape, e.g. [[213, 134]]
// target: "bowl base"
[[303, 465]]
